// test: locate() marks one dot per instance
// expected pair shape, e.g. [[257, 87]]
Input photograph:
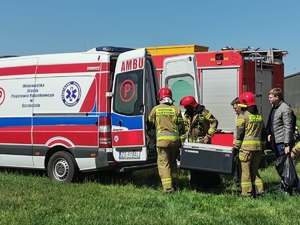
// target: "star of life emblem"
[[71, 94]]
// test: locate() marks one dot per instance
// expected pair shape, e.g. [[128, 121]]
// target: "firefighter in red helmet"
[[250, 143], [200, 126], [169, 125]]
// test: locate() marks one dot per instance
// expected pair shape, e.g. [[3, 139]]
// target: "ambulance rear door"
[[128, 116], [180, 75]]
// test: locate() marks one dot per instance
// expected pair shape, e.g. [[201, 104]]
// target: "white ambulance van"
[[73, 112]]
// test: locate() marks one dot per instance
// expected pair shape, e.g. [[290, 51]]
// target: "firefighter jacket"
[[296, 149], [251, 132], [168, 122], [198, 124]]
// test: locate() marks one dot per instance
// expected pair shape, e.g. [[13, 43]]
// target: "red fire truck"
[[215, 78]]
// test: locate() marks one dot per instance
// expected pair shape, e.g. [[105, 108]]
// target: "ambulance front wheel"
[[62, 167]]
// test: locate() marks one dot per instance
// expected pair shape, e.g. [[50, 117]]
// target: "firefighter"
[[250, 143], [168, 122], [200, 126], [295, 152], [235, 105]]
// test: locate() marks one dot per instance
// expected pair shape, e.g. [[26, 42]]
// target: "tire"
[[62, 167]]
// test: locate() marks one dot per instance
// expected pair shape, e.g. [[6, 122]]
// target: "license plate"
[[129, 155]]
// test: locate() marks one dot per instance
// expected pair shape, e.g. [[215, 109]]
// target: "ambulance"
[[77, 112]]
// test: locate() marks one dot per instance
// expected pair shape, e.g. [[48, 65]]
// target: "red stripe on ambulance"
[[89, 101], [125, 138], [56, 68], [16, 135], [80, 135]]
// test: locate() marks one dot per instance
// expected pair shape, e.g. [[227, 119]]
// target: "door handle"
[[120, 123], [142, 109]]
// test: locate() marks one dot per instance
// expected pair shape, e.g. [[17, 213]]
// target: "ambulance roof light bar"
[[8, 56], [113, 49]]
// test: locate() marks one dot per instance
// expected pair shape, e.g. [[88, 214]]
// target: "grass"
[[138, 199]]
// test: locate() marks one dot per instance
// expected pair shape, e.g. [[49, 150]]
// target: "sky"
[[56, 26]]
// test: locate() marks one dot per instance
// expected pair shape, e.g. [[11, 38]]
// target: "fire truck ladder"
[[271, 55], [258, 58], [261, 58]]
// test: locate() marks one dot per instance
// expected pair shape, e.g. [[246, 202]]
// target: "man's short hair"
[[235, 101], [277, 92]]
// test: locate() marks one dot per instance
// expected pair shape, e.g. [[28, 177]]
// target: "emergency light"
[[113, 49]]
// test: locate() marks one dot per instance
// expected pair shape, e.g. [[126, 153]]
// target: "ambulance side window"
[[113, 62], [180, 87], [129, 93], [150, 89]]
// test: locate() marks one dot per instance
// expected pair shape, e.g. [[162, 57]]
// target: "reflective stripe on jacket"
[[169, 125], [250, 134]]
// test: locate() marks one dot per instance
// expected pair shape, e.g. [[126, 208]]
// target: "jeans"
[[278, 149]]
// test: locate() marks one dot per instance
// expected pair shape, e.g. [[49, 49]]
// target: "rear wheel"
[[62, 167]]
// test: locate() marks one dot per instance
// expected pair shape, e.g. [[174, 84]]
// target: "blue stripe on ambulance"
[[89, 119], [130, 122]]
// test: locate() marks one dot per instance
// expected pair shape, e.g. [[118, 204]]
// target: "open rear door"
[[180, 75], [127, 109]]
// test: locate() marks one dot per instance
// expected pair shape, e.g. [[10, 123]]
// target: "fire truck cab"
[[216, 78], [73, 112]]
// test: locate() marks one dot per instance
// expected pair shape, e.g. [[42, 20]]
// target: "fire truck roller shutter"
[[219, 86]]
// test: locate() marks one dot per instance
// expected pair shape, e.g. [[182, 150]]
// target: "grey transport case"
[[207, 157]]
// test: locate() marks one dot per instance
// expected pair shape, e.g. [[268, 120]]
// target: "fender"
[[61, 141]]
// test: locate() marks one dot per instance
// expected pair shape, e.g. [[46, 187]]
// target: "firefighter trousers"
[[167, 167], [251, 182]]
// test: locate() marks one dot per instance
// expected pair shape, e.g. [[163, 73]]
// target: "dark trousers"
[[237, 178], [278, 148]]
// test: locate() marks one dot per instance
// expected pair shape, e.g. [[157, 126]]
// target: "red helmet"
[[247, 99], [188, 101], [164, 92]]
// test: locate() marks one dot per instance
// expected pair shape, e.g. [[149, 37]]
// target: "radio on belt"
[[207, 157]]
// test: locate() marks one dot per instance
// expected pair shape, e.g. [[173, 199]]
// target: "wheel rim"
[[61, 169]]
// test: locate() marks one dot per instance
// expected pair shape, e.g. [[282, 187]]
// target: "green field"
[[138, 199], [106, 198]]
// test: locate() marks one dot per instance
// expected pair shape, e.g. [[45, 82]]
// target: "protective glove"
[[148, 137], [235, 151]]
